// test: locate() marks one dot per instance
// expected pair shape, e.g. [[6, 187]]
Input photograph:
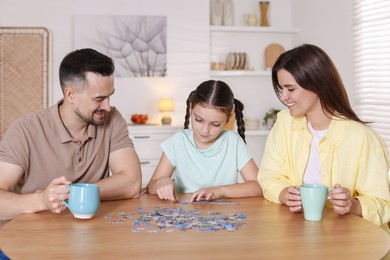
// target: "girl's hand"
[[166, 189], [291, 197], [207, 194], [341, 199]]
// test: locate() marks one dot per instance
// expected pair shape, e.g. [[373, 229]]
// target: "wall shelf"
[[240, 73], [257, 29], [257, 132]]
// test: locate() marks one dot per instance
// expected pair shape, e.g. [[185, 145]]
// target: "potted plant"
[[270, 118]]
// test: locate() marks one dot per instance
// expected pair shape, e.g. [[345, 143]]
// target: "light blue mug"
[[84, 200], [313, 197]]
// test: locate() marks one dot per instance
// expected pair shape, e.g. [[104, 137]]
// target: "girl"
[[319, 139], [206, 158]]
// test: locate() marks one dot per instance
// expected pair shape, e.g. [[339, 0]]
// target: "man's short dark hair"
[[74, 66]]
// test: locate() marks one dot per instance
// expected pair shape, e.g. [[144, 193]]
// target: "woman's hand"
[[291, 197], [342, 201], [166, 189]]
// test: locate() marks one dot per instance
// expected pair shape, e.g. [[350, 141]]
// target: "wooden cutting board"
[[272, 53]]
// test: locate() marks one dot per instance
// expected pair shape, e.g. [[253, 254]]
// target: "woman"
[[320, 139]]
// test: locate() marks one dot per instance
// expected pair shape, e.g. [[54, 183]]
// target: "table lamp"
[[166, 105]]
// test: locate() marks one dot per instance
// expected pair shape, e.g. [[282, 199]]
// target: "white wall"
[[326, 23], [187, 46]]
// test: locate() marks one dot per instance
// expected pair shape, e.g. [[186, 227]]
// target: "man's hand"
[[54, 194]]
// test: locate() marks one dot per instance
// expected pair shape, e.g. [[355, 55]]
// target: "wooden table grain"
[[270, 232]]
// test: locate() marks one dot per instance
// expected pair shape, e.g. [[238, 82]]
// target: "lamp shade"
[[166, 105]]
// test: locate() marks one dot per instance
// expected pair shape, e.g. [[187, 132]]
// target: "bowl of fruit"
[[139, 118]]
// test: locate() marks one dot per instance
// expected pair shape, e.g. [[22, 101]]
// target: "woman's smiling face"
[[299, 101]]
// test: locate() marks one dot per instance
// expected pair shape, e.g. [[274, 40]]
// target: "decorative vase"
[[216, 12], [228, 12], [264, 13]]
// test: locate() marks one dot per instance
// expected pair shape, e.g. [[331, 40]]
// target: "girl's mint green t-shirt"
[[217, 165]]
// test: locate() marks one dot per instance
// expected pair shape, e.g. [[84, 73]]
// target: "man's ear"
[[69, 94]]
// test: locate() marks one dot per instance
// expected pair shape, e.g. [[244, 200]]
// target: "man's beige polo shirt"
[[41, 145]]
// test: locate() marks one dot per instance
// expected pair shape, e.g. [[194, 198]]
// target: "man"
[[80, 139]]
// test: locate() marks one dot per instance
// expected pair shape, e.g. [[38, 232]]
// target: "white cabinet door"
[[147, 140]]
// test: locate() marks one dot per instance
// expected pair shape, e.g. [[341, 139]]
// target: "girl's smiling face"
[[207, 122]]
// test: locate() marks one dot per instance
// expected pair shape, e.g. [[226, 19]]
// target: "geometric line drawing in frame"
[[136, 43], [24, 77]]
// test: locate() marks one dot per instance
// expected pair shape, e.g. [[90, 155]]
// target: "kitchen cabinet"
[[147, 140], [255, 140]]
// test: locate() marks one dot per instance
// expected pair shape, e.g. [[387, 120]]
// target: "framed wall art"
[[136, 43]]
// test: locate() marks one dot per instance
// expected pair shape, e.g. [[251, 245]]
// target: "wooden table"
[[271, 231]]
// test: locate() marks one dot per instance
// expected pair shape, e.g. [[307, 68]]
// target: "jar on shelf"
[[216, 12], [228, 12], [264, 5]]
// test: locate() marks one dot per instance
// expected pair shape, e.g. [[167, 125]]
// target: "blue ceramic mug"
[[84, 200], [313, 197]]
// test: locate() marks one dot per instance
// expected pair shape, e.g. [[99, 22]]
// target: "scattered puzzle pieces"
[[171, 219], [216, 202]]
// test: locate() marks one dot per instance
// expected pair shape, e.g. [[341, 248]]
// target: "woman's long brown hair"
[[313, 70]]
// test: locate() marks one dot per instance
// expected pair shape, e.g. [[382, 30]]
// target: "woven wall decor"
[[24, 53]]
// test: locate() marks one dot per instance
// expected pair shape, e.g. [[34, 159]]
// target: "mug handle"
[[329, 189], [65, 202]]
